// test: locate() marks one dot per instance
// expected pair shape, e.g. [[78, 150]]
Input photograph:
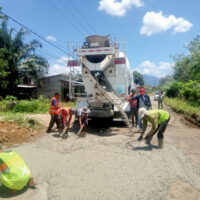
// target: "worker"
[[143, 102], [159, 120], [14, 174], [54, 106], [160, 100], [133, 108], [64, 118], [82, 114]]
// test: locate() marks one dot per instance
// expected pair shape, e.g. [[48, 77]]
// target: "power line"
[[33, 32], [74, 16], [82, 16], [63, 16], [38, 34], [45, 53]]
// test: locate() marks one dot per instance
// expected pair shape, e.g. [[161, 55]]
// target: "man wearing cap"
[[133, 108], [65, 115], [159, 120], [82, 114], [14, 174], [54, 105], [143, 102]]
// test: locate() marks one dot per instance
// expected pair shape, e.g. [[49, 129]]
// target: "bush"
[[40, 105], [181, 106], [173, 90], [189, 91], [8, 103], [11, 104]]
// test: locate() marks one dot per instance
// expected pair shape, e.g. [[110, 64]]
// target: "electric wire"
[[38, 34], [74, 16], [64, 17], [44, 52], [34, 33], [82, 16]]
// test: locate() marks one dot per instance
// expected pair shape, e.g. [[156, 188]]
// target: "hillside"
[[151, 80]]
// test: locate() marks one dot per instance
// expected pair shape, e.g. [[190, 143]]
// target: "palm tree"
[[18, 59]]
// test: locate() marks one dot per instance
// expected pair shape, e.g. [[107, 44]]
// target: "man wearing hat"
[[82, 114], [14, 173], [143, 102], [159, 120]]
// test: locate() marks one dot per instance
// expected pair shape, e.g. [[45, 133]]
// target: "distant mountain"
[[151, 80]]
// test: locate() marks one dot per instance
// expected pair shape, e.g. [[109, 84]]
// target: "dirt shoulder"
[[183, 134], [109, 164]]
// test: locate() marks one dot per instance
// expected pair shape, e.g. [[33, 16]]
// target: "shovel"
[[64, 134], [80, 133]]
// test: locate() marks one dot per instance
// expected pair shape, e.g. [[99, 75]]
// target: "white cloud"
[[60, 67], [51, 38], [160, 70], [118, 8], [156, 22], [62, 60]]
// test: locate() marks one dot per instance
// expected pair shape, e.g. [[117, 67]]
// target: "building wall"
[[57, 83], [49, 86]]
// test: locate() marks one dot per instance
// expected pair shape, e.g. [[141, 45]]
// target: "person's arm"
[[54, 103], [85, 120], [150, 105], [69, 120], [80, 120], [64, 116], [154, 122], [135, 97], [144, 127], [131, 98], [3, 168]]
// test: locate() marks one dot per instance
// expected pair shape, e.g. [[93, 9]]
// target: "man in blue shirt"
[[143, 102]]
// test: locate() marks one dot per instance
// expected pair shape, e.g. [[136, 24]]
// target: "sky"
[[154, 30]]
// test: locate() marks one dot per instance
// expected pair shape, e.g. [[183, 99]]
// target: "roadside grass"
[[182, 106], [33, 106], [23, 120], [69, 104]]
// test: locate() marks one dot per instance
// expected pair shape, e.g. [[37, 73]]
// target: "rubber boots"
[[160, 143], [149, 138]]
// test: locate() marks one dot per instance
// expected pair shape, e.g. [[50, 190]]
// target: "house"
[[61, 83]]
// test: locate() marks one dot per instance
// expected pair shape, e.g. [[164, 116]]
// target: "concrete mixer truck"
[[106, 76]]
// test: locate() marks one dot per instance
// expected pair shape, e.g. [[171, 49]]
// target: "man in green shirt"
[[159, 120], [14, 174]]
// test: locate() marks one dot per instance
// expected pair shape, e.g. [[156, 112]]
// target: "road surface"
[[110, 164]]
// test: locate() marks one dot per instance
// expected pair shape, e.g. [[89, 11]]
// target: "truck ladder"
[[111, 96]]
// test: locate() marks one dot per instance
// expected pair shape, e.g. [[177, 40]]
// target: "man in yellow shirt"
[[14, 174], [159, 120]]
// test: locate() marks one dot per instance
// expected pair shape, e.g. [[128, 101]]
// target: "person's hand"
[[140, 138], [127, 98], [82, 125]]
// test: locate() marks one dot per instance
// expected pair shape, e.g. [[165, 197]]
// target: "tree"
[[138, 78], [194, 48], [18, 59], [187, 67]]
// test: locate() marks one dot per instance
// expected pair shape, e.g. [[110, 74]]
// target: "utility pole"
[[72, 62]]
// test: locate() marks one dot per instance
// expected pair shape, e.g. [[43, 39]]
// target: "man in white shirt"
[[82, 114]]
